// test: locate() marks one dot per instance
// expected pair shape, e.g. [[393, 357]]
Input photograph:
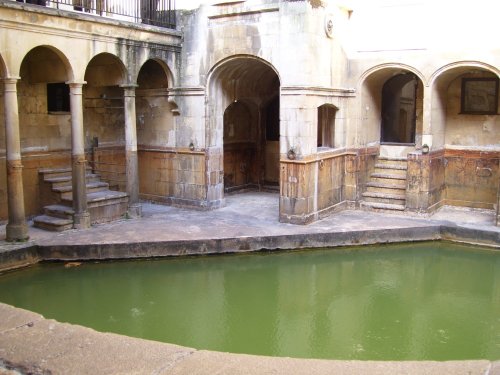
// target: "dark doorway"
[[399, 95]]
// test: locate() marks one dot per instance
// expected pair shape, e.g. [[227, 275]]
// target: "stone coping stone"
[[31, 344]]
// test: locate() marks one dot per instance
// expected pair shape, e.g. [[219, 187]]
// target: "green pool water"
[[432, 301]]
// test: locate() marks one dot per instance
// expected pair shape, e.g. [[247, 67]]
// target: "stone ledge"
[[32, 344]]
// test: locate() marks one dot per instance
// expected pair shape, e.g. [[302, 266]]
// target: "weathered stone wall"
[[331, 182], [40, 129], [425, 181], [478, 131], [172, 177], [109, 163], [103, 116], [471, 178], [297, 193], [32, 163]]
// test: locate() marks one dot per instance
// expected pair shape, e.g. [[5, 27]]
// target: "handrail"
[[150, 12]]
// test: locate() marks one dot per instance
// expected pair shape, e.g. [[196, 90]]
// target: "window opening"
[[58, 97]]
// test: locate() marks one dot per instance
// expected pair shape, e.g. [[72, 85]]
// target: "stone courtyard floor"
[[30, 343]]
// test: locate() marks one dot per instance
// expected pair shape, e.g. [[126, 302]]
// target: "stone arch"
[[391, 67], [104, 117], [252, 85], [450, 126], [46, 64], [3, 68], [372, 86], [44, 117], [105, 69], [155, 123], [167, 72]]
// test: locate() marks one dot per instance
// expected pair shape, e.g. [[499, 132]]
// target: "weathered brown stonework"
[[471, 178], [425, 181]]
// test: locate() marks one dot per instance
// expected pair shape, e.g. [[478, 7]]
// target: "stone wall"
[[109, 164], [173, 177], [32, 163], [331, 182], [297, 193], [425, 181], [314, 187], [471, 178]]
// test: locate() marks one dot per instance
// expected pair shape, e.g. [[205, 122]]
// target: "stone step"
[[388, 176], [104, 195], [382, 207], [378, 197], [381, 187], [58, 172], [51, 223], [54, 172], [66, 180], [398, 167], [99, 196], [60, 211], [67, 190], [386, 159]]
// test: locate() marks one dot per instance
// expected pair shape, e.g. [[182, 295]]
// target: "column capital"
[[10, 83], [75, 84], [12, 79], [129, 89]]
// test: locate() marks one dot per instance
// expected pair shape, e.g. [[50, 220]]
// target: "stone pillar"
[[17, 229], [427, 117], [81, 217], [131, 161]]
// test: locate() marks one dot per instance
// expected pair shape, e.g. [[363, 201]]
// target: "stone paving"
[[245, 215], [31, 344]]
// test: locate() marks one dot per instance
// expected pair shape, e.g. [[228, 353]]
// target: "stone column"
[[17, 229], [131, 161], [81, 217], [427, 117]]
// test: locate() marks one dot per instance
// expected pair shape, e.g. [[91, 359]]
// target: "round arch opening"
[[244, 107], [392, 102]]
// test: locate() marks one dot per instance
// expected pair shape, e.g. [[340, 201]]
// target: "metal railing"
[[150, 12]]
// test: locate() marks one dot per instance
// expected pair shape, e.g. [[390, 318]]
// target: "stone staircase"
[[56, 195], [386, 190]]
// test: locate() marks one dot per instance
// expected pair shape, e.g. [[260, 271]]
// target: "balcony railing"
[[151, 12]]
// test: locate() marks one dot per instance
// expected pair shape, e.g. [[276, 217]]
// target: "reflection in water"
[[417, 301]]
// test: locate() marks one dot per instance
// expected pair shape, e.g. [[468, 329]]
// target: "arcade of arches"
[[92, 125]]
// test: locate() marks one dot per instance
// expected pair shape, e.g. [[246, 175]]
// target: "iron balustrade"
[[150, 12]]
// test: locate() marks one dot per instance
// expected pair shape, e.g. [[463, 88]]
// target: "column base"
[[81, 220], [17, 232], [134, 211]]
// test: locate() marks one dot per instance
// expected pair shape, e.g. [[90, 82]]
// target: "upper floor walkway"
[[151, 12]]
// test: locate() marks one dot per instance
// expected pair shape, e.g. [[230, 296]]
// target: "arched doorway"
[[399, 106], [44, 119], [104, 118], [244, 104], [465, 129], [392, 107], [155, 131]]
